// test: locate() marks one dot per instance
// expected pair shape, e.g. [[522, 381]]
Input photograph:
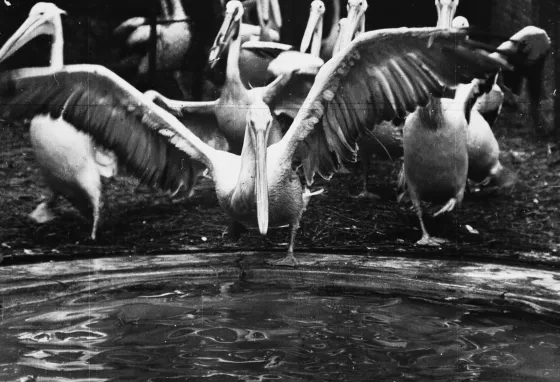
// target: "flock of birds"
[[428, 94]]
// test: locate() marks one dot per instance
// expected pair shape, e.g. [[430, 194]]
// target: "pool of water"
[[230, 331]]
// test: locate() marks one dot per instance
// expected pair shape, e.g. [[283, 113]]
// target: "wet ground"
[[524, 219], [239, 331]]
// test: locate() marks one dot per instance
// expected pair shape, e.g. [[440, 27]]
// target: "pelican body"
[[435, 155], [484, 155]]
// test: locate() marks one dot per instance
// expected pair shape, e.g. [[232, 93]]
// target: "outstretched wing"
[[149, 142], [380, 76]]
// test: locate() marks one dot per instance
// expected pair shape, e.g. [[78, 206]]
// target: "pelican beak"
[[276, 13], [263, 11], [228, 31], [312, 28], [260, 131], [34, 26]]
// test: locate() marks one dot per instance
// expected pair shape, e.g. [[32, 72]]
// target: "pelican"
[[73, 160], [530, 45], [379, 76], [313, 34], [435, 145], [259, 44], [483, 148], [174, 39], [231, 108]]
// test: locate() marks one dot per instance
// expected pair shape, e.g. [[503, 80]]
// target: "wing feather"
[[380, 76], [148, 142]]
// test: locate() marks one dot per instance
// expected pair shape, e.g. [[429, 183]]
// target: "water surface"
[[171, 330]]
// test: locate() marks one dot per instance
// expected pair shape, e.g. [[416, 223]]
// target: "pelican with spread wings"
[[72, 157]]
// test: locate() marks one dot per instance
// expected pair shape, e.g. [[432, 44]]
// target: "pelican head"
[[355, 23], [43, 19], [228, 31], [314, 28], [446, 10], [460, 22], [259, 121]]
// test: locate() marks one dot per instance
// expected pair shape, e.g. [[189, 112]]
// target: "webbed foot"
[[288, 261], [431, 241]]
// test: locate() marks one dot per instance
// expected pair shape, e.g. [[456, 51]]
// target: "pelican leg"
[[426, 238], [95, 213], [43, 212], [365, 159], [289, 260], [86, 195]]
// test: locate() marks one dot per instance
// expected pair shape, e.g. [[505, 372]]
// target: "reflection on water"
[[246, 332]]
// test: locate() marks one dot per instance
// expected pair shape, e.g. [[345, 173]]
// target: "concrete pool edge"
[[508, 287]]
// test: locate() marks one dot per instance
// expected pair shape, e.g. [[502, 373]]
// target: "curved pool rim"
[[518, 286]]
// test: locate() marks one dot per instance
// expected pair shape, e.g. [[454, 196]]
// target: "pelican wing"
[[149, 142], [380, 76]]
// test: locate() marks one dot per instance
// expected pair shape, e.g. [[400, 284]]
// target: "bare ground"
[[525, 220]]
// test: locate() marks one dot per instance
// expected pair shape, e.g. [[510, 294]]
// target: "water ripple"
[[242, 332]]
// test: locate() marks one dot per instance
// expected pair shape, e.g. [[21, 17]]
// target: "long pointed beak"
[[261, 182], [263, 11], [276, 13], [31, 28], [227, 32], [310, 29]]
